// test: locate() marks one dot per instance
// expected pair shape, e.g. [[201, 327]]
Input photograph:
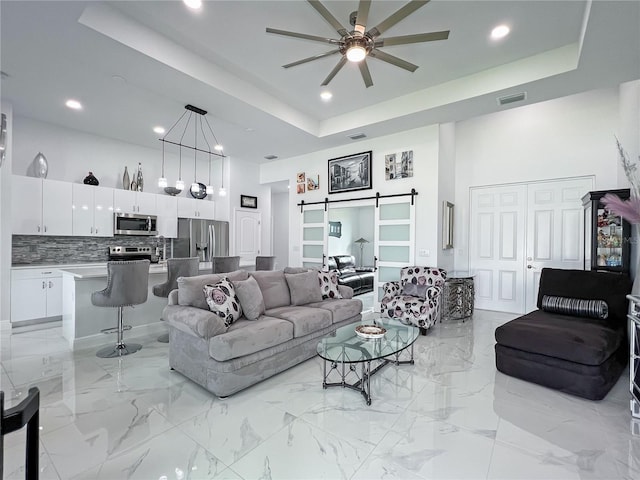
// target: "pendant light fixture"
[[200, 114], [222, 192]]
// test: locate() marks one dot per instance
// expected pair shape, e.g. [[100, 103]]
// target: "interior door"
[[555, 224], [394, 241], [314, 239], [497, 246], [247, 235]]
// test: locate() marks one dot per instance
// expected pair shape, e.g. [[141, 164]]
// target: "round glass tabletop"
[[346, 346]]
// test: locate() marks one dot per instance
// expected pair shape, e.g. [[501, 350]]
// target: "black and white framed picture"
[[350, 173], [398, 165], [248, 202]]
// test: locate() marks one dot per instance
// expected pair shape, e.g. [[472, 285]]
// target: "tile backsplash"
[[45, 250]]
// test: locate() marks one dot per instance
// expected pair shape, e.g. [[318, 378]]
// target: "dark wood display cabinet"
[[606, 235]]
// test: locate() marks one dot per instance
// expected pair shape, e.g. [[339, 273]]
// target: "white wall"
[[424, 143], [566, 137], [5, 219], [446, 188], [280, 228]]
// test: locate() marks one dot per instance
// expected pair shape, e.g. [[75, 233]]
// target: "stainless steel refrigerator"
[[201, 238]]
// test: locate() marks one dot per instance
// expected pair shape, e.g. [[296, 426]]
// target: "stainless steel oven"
[[132, 224]]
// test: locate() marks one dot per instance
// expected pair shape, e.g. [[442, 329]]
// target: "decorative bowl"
[[173, 191], [370, 331]]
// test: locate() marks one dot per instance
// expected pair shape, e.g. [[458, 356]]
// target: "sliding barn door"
[[394, 241], [314, 236]]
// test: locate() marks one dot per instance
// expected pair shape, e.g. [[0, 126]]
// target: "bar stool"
[[176, 267], [127, 284], [224, 264], [265, 263]]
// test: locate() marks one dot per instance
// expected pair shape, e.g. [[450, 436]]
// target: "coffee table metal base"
[[363, 384]]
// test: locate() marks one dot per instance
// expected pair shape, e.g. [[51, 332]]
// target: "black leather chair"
[[359, 279]]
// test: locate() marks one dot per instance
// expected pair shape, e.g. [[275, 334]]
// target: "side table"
[[634, 356], [458, 295]]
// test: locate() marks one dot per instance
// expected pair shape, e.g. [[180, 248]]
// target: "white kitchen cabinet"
[[40, 206], [35, 294], [128, 201], [92, 211], [194, 208], [167, 216]]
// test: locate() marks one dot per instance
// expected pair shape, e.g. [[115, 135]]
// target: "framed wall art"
[[313, 183], [248, 202], [300, 177], [300, 187], [398, 165], [350, 173]]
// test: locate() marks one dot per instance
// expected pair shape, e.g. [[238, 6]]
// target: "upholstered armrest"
[[173, 297], [203, 323], [345, 291], [433, 292], [391, 289]]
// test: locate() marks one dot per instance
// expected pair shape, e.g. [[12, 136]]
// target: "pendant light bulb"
[[195, 187], [162, 182], [222, 192], [180, 184], [209, 190]]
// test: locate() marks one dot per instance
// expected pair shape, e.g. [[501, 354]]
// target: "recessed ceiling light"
[[499, 32], [159, 130], [73, 104], [326, 96], [193, 4]]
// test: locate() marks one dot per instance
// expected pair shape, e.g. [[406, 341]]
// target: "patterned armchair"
[[416, 297]]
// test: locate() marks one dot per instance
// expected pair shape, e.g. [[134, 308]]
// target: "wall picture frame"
[[300, 177], [350, 173], [313, 182], [398, 165], [247, 201]]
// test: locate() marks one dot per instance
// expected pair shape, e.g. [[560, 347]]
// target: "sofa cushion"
[[246, 337], [305, 320], [273, 285], [341, 309], [190, 288], [576, 307], [329, 284], [223, 301], [250, 297], [304, 287], [583, 340]]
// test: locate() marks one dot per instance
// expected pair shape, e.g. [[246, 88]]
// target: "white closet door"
[[497, 246], [555, 227], [394, 241], [248, 235], [314, 239]]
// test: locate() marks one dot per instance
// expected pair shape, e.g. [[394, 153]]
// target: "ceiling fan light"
[[356, 53]]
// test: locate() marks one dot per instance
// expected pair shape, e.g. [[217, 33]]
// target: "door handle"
[[375, 264], [50, 284], [530, 267], [44, 284], [38, 228], [91, 229], [45, 229]]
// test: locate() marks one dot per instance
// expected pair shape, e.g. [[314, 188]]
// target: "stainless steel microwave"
[[132, 224]]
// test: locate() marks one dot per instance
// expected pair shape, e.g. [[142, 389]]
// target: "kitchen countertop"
[[97, 269]]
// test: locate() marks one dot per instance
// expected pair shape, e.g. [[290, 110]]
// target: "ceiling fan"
[[360, 43]]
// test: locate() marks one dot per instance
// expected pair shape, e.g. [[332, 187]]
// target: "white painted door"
[[555, 224], [314, 240], [394, 241], [497, 246], [248, 235], [56, 208]]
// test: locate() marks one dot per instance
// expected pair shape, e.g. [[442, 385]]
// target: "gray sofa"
[[226, 360]]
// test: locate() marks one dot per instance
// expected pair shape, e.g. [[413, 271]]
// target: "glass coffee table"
[[343, 350]]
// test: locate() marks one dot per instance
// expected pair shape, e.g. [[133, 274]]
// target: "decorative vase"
[[91, 180], [40, 165], [139, 179], [126, 181]]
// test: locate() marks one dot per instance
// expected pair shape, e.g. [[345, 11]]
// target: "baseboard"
[[101, 339]]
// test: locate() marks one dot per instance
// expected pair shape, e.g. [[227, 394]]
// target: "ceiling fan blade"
[[366, 74], [393, 60], [333, 21], [304, 36], [362, 16], [394, 18], [335, 70], [310, 59], [417, 38]]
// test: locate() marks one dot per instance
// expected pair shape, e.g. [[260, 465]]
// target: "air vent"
[[271, 157], [357, 136], [517, 97]]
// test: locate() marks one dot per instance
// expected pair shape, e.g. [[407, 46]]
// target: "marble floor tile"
[[450, 415]]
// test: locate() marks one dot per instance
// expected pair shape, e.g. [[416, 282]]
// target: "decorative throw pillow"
[[223, 301], [414, 290], [304, 287], [329, 284], [250, 297], [576, 307]]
